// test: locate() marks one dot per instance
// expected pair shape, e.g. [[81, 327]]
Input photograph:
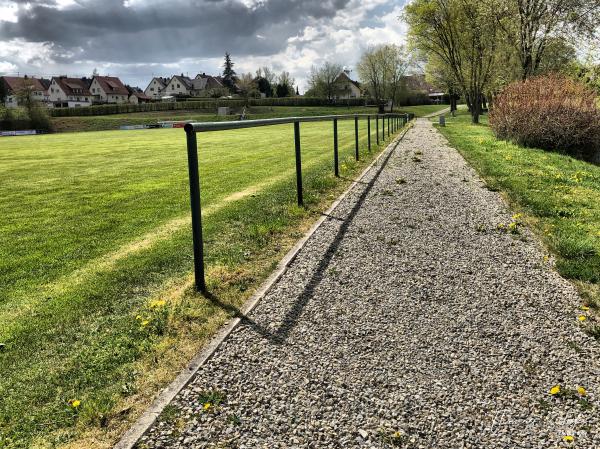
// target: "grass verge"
[[97, 312], [558, 195]]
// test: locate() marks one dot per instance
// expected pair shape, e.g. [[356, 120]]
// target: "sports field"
[[96, 306]]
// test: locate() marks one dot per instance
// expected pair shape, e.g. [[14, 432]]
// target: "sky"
[[139, 39]]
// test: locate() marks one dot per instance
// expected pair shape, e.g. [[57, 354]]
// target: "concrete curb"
[[144, 422]]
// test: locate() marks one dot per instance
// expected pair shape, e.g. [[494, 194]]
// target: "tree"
[[534, 26], [3, 92], [463, 35], [229, 75], [438, 74], [247, 86], [382, 69], [285, 85], [267, 73], [321, 82], [37, 114]]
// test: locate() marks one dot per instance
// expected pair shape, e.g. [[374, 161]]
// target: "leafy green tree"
[[463, 34]]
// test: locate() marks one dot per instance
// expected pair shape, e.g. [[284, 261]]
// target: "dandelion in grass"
[[555, 390], [145, 323], [585, 308], [75, 403], [207, 406], [582, 318], [582, 391], [568, 439], [157, 303]]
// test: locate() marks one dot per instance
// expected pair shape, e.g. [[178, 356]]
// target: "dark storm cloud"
[[107, 30]]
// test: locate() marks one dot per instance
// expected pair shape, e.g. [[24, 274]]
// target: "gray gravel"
[[408, 320]]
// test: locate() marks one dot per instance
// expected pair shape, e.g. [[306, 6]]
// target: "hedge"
[[195, 104]]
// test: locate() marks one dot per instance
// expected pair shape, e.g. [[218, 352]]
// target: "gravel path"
[[408, 320]]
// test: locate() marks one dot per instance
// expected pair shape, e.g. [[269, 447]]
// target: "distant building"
[[179, 85], [204, 83], [155, 89], [108, 89], [14, 85], [137, 95], [69, 92], [346, 87]]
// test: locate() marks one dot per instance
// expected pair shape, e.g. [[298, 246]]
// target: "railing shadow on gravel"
[[290, 319], [395, 122]]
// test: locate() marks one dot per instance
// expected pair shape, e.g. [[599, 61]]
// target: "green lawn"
[[559, 195], [112, 122], [96, 303]]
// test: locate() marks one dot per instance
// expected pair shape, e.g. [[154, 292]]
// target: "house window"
[[178, 86], [152, 89]]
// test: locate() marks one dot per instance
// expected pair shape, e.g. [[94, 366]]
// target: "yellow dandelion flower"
[[139, 317], [75, 403], [145, 322], [585, 308], [398, 434], [568, 439], [581, 391], [157, 303], [582, 318], [517, 216], [207, 406], [555, 390]]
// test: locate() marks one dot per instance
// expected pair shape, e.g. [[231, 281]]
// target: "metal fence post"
[[192, 150], [369, 132], [356, 137], [377, 127], [335, 149], [298, 163], [383, 128], [388, 120]]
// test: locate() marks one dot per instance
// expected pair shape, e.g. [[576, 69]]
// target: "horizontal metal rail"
[[239, 124], [394, 122]]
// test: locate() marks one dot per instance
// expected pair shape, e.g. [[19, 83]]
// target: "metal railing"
[[394, 123]]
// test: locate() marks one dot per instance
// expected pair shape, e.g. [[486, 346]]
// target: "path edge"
[[164, 398]]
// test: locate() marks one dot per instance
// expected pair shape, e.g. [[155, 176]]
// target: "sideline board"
[[26, 132]]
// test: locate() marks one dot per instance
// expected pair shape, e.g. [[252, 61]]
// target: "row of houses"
[[63, 91], [180, 85]]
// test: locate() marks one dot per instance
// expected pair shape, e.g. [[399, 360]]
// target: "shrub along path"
[[420, 314]]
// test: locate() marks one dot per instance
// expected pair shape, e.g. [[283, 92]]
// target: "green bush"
[[551, 112]]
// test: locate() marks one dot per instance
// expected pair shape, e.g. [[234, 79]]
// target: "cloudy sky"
[[136, 39]]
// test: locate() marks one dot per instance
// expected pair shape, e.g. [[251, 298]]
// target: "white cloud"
[[7, 67]]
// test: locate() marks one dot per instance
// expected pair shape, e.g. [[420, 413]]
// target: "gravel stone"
[[408, 320]]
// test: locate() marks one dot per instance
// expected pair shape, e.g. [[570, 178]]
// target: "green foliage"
[[229, 75]]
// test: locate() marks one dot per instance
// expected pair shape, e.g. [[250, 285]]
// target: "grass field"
[[112, 122], [96, 303], [558, 195]]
